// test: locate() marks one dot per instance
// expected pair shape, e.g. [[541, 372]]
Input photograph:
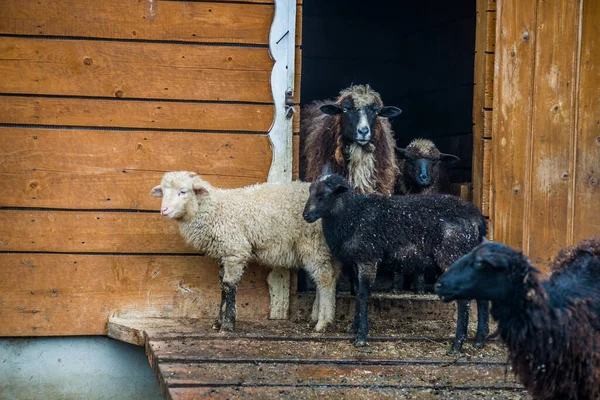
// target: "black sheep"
[[551, 327], [367, 230], [423, 169]]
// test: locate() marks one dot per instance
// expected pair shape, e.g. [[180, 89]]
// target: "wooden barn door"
[[98, 99], [546, 125]]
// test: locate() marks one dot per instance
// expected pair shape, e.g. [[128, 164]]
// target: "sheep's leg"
[[351, 274], [232, 273], [314, 316], [398, 278], [354, 327], [366, 277], [219, 321], [419, 283], [461, 326], [483, 329]]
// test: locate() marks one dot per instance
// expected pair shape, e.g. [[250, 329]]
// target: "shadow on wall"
[[75, 368]]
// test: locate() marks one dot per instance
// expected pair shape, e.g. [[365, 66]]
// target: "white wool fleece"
[[261, 223]]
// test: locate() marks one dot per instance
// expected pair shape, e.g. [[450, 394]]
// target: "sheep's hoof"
[[479, 344], [320, 327], [227, 327], [216, 325], [360, 343], [453, 352]]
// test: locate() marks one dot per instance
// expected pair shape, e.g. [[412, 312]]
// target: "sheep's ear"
[[156, 191], [389, 112], [449, 159], [331, 109], [326, 169], [339, 189], [199, 189]]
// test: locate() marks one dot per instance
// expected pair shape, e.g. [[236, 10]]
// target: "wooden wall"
[[546, 125], [483, 95], [97, 101]]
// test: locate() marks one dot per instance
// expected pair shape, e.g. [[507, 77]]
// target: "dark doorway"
[[418, 55]]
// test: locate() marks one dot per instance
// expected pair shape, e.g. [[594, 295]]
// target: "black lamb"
[[366, 230], [551, 327]]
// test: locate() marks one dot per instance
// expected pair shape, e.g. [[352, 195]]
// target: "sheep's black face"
[[421, 170], [324, 194], [358, 123], [482, 274]]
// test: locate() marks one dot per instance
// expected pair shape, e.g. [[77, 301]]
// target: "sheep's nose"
[[164, 210], [363, 130]]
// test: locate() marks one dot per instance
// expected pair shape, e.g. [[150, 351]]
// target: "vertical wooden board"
[[585, 205], [487, 176], [553, 130], [487, 124], [478, 121], [490, 32], [513, 88], [72, 294], [489, 81]]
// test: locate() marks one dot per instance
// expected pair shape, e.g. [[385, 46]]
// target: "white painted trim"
[[282, 43]]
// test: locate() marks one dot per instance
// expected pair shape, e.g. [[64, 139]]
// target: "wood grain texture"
[[135, 70], [478, 94], [513, 88], [329, 393], [553, 130], [167, 20], [488, 97], [88, 231], [116, 169], [486, 198], [63, 294], [135, 114], [320, 375], [197, 349], [585, 176]]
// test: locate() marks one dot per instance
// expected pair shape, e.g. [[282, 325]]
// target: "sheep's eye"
[[183, 192], [478, 264]]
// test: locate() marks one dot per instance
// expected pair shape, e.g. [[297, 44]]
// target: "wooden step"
[[287, 360]]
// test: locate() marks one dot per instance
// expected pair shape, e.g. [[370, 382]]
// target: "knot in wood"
[[88, 61], [119, 93], [564, 176]]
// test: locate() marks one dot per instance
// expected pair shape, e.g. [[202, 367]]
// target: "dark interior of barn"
[[418, 55]]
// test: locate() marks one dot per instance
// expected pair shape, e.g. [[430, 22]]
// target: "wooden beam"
[[513, 89], [585, 175], [552, 129]]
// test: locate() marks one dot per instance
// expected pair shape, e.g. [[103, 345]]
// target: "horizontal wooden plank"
[[166, 20], [355, 393], [185, 350], [74, 231], [63, 294], [116, 169], [135, 114], [320, 375], [135, 70]]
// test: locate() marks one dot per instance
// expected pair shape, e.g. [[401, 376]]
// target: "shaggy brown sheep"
[[354, 136]]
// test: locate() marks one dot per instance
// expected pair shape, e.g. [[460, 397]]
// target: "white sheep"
[[261, 223]]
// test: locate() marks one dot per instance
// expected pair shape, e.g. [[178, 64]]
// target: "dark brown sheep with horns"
[[354, 136]]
